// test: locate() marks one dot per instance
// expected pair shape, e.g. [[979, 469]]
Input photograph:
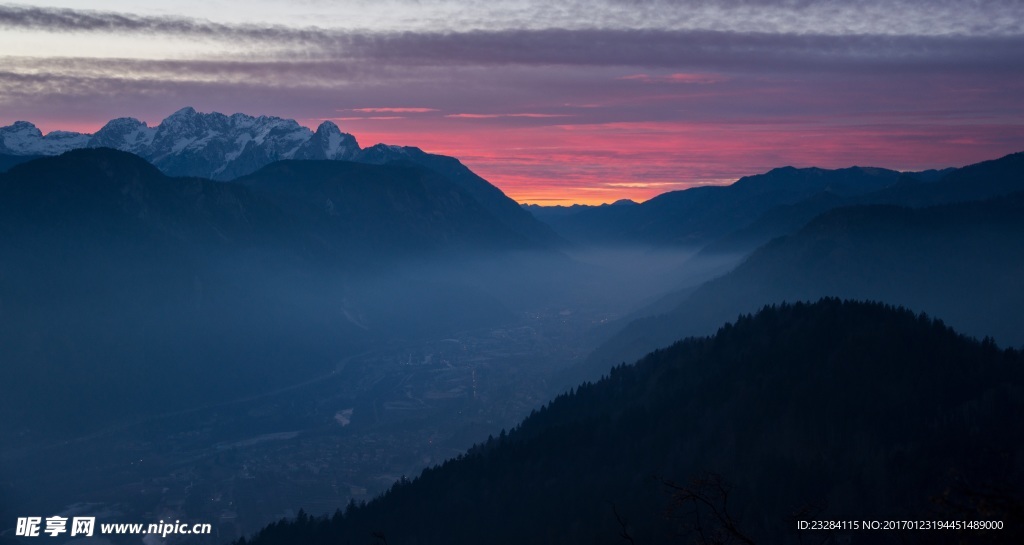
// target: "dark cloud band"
[[687, 49], [670, 49]]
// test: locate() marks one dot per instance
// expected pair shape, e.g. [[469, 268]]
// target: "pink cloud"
[[393, 110], [702, 79], [371, 117], [497, 116]]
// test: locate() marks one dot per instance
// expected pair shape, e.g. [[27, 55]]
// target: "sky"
[[582, 101]]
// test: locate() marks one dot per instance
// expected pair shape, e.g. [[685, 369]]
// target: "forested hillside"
[[836, 410]]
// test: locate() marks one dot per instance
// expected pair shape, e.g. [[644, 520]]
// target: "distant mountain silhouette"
[[973, 182], [109, 196], [961, 262], [367, 209], [826, 411], [222, 147], [381, 209], [492, 199], [737, 218], [556, 213], [697, 216]]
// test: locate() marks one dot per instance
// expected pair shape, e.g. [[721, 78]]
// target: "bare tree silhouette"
[[702, 507]]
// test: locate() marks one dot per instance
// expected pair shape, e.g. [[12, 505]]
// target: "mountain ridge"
[[222, 148], [696, 216], [977, 181], [210, 145]]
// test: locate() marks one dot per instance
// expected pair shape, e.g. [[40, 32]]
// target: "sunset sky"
[[554, 102]]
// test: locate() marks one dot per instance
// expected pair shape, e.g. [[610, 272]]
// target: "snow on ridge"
[[124, 133], [240, 142], [24, 138], [333, 144], [191, 143]]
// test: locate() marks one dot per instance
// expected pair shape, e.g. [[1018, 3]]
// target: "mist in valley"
[[233, 351], [179, 375]]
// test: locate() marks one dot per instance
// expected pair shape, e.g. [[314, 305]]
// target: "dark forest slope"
[[848, 411]]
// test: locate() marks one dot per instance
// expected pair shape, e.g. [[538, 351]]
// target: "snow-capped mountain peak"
[[328, 142], [185, 113], [339, 145], [192, 143], [22, 129], [124, 133], [24, 138], [222, 147]]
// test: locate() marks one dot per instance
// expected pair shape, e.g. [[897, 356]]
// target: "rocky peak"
[[328, 142], [21, 128], [124, 133]]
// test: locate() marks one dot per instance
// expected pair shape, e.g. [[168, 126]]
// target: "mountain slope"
[[490, 197], [858, 411], [125, 290], [84, 190], [959, 261], [373, 208]]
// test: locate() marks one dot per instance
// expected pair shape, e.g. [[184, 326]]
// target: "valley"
[[384, 413]]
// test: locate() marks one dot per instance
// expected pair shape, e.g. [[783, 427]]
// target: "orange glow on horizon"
[[555, 162], [603, 163]]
